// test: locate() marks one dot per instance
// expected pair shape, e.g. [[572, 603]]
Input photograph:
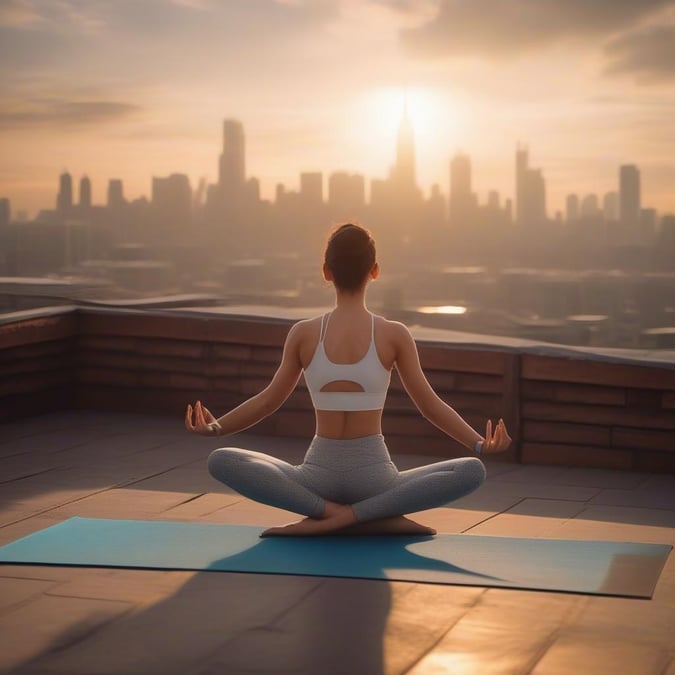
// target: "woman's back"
[[347, 357]]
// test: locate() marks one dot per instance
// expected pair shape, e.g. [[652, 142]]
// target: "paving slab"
[[176, 633], [16, 591], [620, 523], [498, 634], [123, 503], [570, 652], [662, 497], [49, 624], [530, 518]]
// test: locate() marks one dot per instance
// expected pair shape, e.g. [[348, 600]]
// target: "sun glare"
[[380, 111]]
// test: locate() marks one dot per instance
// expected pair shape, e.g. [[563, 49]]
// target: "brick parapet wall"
[[566, 410]]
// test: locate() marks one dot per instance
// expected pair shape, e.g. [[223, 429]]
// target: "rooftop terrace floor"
[[58, 620]]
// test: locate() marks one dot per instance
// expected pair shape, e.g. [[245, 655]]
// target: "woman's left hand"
[[199, 420], [497, 441]]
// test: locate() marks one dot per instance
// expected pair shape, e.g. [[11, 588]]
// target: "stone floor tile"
[[602, 478], [338, 628], [541, 490], [655, 498], [58, 573], [619, 523], [530, 518], [418, 619], [246, 512], [183, 479], [448, 520], [627, 619], [173, 635], [123, 503], [570, 652], [25, 527], [15, 591], [201, 506], [133, 586], [530, 473], [500, 635], [48, 624]]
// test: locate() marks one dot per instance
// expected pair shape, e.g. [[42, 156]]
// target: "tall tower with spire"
[[403, 171]]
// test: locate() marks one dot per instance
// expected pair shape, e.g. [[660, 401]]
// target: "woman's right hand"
[[199, 420], [497, 441]]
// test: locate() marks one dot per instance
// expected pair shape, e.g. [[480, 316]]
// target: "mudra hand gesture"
[[497, 441], [199, 420]]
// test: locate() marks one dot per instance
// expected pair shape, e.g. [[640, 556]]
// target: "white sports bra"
[[367, 372]]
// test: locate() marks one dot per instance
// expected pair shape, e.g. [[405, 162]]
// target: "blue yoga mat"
[[593, 567]]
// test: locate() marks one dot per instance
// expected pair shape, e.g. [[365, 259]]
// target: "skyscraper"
[[5, 212], [311, 189], [462, 200], [572, 208], [610, 206], [232, 166], [403, 171], [85, 192], [530, 192], [172, 203], [629, 196], [115, 193], [64, 200], [346, 194]]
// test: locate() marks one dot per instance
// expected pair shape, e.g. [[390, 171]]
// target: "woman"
[[347, 480]]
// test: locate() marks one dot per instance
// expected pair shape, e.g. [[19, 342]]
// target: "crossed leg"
[[272, 481]]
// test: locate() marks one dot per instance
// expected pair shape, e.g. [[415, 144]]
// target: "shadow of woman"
[[280, 619]]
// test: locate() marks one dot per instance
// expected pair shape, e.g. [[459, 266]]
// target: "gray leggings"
[[357, 471]]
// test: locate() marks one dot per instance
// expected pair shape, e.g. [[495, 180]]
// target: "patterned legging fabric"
[[357, 471]]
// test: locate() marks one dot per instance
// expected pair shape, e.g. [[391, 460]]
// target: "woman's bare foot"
[[336, 517], [394, 525], [339, 519]]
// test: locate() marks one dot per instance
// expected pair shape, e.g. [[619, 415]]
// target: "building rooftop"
[[58, 620]]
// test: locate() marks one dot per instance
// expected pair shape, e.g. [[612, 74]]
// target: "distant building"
[[311, 189], [572, 208], [232, 165], [64, 199], [403, 172], [115, 194], [172, 204], [589, 206], [629, 197], [647, 224], [462, 204], [530, 192], [85, 192], [5, 212], [610, 206], [346, 194]]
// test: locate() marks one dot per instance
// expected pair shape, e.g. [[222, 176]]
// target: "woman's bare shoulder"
[[393, 329]]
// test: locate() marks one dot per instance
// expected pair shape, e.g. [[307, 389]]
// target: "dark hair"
[[350, 255]]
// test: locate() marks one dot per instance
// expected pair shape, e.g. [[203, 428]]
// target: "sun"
[[379, 112]]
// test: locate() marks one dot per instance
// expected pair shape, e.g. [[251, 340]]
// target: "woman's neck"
[[352, 302]]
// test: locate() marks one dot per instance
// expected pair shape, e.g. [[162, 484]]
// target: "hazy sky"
[[136, 88]]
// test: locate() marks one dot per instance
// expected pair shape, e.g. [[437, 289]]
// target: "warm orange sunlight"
[[434, 118]]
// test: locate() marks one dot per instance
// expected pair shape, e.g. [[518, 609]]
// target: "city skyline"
[[138, 90]]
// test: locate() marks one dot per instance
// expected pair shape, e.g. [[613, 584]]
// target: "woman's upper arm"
[[410, 371], [288, 373]]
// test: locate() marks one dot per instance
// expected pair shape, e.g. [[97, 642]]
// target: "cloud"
[[497, 28], [648, 54], [18, 13], [62, 114]]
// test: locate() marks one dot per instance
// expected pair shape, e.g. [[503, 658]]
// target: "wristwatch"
[[478, 447]]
